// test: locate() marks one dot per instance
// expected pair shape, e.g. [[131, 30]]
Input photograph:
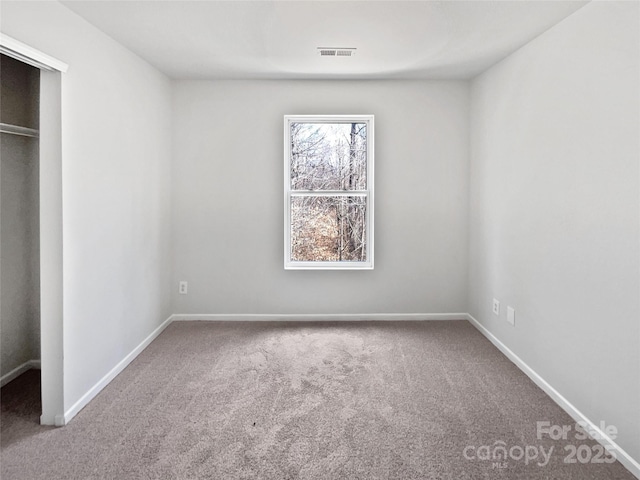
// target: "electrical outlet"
[[496, 307], [511, 316], [182, 290]]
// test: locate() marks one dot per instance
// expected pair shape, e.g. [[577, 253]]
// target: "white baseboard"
[[104, 381], [315, 317], [59, 421], [19, 370], [623, 457]]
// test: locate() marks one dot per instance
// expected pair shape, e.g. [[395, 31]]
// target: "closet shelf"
[[17, 130]]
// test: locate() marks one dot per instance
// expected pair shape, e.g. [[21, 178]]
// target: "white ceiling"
[[278, 39]]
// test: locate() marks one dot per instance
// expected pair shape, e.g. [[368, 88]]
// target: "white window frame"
[[368, 193]]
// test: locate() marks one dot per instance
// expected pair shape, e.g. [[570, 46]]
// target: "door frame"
[[51, 236]]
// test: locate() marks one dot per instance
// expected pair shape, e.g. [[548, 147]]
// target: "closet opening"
[[31, 280], [20, 239]]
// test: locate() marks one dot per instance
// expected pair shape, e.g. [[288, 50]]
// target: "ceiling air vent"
[[336, 52]]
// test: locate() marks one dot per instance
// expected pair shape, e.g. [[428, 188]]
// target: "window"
[[328, 189]]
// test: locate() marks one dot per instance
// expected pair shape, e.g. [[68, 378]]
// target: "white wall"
[[116, 148], [554, 196], [228, 198]]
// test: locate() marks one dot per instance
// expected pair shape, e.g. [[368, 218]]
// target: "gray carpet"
[[362, 400]]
